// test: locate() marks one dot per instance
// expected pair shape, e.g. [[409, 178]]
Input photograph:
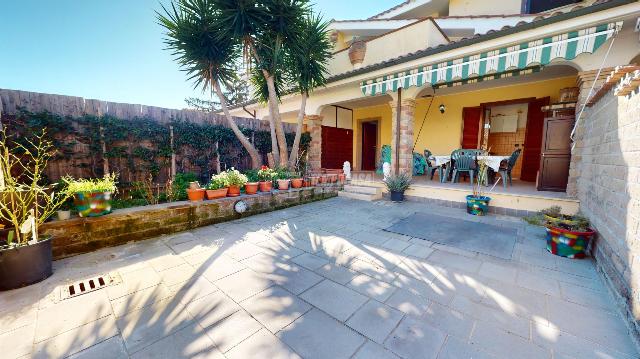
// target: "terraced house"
[[553, 83]]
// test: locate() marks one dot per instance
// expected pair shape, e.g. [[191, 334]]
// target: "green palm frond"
[[193, 36], [307, 63]]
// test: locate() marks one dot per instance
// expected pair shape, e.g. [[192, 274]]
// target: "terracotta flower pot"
[[266, 186], [217, 193], [234, 191], [333, 178], [296, 183], [313, 180], [342, 177], [283, 184], [306, 182], [195, 195], [251, 188]]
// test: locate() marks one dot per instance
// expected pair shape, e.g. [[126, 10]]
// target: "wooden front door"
[[337, 147], [556, 154], [369, 145], [470, 126], [533, 140]]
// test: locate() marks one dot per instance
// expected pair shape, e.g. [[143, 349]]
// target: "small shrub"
[[180, 185], [252, 175], [105, 184], [398, 183], [233, 177]]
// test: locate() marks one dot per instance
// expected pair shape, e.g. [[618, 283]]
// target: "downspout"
[[398, 116]]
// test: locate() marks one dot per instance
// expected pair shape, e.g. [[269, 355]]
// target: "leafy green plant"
[[217, 182], [180, 185], [83, 185], [398, 183], [554, 211], [252, 176], [282, 173], [233, 177]]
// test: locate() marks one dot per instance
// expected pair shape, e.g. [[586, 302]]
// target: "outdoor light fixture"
[[442, 108]]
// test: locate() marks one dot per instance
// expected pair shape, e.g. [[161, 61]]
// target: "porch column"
[[402, 135], [314, 125]]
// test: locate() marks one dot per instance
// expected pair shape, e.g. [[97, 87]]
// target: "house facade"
[[553, 79]]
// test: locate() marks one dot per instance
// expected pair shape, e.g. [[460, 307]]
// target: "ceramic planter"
[[92, 204], [265, 186], [313, 180], [195, 195], [566, 243], [296, 183], [25, 265], [478, 206], [234, 191], [333, 178], [342, 178], [216, 193], [396, 196], [63, 215], [306, 182], [251, 188], [283, 184]]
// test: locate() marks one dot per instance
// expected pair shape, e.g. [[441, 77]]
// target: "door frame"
[[358, 147]]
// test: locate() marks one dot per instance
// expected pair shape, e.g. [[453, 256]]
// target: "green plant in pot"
[[568, 237], [283, 179], [478, 202], [396, 185], [234, 180], [92, 197], [217, 187], [251, 187], [25, 203], [266, 176]]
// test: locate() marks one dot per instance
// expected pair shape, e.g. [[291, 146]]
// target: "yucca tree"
[[308, 67], [207, 55], [266, 29]]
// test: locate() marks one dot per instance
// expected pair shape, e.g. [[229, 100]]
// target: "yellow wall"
[[441, 133]]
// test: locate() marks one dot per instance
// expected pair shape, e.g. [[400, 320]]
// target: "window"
[[536, 6]]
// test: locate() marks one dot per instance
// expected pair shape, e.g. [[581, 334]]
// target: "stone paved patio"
[[319, 281]]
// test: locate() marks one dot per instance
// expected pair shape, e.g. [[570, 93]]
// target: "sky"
[[108, 49]]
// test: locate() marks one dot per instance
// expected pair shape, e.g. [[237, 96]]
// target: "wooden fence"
[[12, 101]]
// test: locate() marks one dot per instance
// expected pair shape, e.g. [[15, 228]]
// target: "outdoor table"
[[493, 162]]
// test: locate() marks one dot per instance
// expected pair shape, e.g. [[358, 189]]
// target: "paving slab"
[[335, 299], [375, 320], [414, 338], [275, 308]]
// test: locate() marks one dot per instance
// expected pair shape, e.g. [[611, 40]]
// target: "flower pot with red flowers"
[[266, 176], [234, 180], [217, 187]]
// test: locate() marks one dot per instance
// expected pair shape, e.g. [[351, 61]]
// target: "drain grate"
[[88, 285]]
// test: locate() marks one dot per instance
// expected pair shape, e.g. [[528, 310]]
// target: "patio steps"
[[363, 193]]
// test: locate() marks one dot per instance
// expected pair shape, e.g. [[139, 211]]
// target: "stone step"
[[360, 196], [363, 189]]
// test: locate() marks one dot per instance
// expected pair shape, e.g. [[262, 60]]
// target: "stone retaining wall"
[[82, 235]]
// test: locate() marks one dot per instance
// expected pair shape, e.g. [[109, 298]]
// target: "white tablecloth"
[[492, 161]]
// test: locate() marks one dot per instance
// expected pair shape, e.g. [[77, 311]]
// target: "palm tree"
[[308, 66], [266, 29], [207, 57]]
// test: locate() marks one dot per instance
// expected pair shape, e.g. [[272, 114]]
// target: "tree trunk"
[[275, 116], [253, 153], [296, 142], [274, 139]]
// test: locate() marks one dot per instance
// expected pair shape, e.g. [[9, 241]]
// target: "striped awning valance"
[[512, 59]]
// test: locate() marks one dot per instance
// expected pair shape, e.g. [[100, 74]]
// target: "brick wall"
[[82, 235], [606, 169]]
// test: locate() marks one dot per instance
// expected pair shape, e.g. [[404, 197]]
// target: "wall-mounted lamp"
[[442, 108]]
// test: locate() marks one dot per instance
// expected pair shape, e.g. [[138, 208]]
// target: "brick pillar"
[[314, 125], [584, 82], [405, 145]]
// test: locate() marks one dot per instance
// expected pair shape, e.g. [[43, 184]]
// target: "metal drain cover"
[[89, 285]]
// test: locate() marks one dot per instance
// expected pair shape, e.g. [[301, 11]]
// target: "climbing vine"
[[139, 147]]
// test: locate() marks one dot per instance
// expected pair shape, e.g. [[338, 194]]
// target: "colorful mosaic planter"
[[92, 204], [478, 206], [569, 244]]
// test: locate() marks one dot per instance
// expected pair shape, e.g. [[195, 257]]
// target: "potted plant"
[[234, 180], [283, 179], [266, 176], [396, 185], [296, 181], [92, 197], [217, 187], [568, 238], [251, 187], [195, 193], [478, 203], [25, 256], [64, 211], [553, 215]]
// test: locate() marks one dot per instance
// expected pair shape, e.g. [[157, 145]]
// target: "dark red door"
[[369, 145], [533, 140], [337, 147], [470, 126], [556, 154]]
